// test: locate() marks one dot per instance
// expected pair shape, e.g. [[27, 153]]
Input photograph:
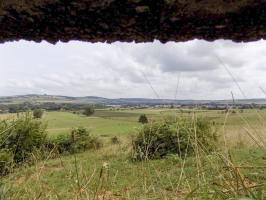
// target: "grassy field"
[[123, 179], [124, 122], [101, 124], [238, 169], [234, 126]]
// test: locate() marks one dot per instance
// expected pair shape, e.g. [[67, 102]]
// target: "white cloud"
[[118, 70]]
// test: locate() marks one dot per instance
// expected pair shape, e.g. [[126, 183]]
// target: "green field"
[[124, 122], [108, 173], [101, 124]]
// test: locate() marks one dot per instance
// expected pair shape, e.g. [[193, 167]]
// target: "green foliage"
[[62, 143], [115, 140], [22, 136], [88, 111], [13, 109], [38, 113], [81, 140], [78, 140], [155, 141], [143, 119], [159, 139], [6, 162]]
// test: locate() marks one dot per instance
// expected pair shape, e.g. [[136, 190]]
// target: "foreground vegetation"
[[235, 168]]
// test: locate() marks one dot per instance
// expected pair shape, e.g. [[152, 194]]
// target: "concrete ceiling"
[[132, 20]]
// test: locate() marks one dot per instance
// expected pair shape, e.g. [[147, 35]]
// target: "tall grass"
[[108, 173]]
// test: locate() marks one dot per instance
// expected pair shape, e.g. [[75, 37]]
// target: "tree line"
[[49, 106]]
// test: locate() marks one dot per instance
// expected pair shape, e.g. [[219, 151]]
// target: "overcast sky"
[[190, 70]]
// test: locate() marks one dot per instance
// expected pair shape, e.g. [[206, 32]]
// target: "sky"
[[189, 70]]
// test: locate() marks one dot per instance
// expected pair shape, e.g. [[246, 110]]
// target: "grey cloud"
[[118, 70], [172, 58]]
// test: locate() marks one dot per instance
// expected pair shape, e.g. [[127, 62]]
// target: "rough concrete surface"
[[132, 20]]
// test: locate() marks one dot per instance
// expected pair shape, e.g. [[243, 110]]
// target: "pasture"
[[108, 173], [234, 127]]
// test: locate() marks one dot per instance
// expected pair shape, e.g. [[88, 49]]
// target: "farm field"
[[124, 122], [109, 173], [121, 122], [63, 122]]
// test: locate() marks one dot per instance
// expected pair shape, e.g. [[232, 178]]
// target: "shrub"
[[22, 136], [62, 143], [38, 113], [115, 140], [159, 139], [233, 112], [88, 111], [78, 140], [143, 119], [154, 141]]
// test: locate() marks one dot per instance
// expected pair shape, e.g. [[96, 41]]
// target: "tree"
[[88, 111], [13, 109], [143, 119], [38, 113]]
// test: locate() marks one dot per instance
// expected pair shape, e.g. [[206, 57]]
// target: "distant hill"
[[33, 98]]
